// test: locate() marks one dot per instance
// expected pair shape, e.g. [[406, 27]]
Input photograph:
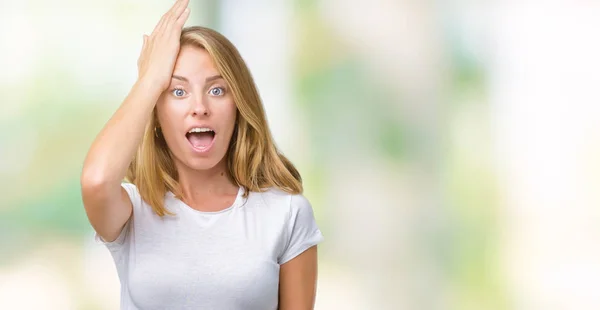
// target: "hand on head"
[[160, 49]]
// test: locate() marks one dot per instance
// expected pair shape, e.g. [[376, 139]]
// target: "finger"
[[183, 5], [184, 16], [160, 25], [171, 12], [169, 16], [145, 37]]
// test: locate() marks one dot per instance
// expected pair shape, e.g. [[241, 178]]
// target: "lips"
[[201, 138]]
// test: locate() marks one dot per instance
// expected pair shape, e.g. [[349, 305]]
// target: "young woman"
[[212, 215]]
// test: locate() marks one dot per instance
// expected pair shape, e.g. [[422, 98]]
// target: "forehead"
[[194, 62]]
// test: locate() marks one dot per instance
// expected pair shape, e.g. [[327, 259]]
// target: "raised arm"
[[106, 203]]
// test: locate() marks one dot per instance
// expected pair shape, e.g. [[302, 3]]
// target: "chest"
[[205, 262]]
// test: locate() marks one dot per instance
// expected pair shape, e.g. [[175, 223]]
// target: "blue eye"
[[178, 92], [217, 91]]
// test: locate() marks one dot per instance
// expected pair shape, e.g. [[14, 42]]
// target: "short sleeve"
[[302, 229], [116, 244]]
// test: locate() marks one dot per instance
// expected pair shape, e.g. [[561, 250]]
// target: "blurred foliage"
[[348, 111]]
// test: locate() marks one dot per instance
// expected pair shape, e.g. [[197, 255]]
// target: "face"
[[197, 113]]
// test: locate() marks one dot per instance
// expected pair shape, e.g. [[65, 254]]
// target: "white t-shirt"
[[211, 260]]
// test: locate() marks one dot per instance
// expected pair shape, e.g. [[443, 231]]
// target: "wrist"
[[149, 87]]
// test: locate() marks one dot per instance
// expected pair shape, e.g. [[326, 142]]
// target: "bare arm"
[[298, 281], [106, 203]]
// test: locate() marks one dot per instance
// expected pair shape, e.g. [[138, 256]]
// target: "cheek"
[[162, 110], [232, 112], [171, 107], [228, 113], [169, 115]]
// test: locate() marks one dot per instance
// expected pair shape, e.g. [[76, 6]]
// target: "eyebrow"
[[181, 78], [212, 78], [208, 79]]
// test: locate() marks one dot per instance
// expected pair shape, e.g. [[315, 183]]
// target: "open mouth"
[[200, 138]]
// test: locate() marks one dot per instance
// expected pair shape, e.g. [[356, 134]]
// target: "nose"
[[199, 106]]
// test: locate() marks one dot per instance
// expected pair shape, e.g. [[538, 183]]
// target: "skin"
[[162, 66], [298, 281], [199, 97]]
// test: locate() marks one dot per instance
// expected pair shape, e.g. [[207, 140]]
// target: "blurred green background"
[[449, 148]]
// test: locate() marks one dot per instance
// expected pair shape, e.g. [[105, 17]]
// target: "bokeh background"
[[450, 148]]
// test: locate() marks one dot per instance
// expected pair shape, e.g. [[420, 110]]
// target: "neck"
[[197, 185]]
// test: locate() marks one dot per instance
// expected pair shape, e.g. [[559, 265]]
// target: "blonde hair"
[[253, 160]]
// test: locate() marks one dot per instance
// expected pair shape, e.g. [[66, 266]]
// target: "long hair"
[[253, 160]]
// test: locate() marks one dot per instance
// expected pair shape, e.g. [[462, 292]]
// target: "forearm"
[[114, 147]]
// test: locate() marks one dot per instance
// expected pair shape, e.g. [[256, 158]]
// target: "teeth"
[[200, 129]]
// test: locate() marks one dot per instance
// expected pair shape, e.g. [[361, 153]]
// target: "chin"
[[205, 161], [202, 163]]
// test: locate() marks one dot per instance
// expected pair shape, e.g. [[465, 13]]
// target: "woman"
[[213, 216]]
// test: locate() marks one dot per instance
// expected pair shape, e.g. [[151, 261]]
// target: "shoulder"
[[134, 195], [277, 201], [274, 197], [140, 206], [132, 191]]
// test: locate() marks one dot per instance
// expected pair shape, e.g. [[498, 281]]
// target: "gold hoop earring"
[[155, 132]]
